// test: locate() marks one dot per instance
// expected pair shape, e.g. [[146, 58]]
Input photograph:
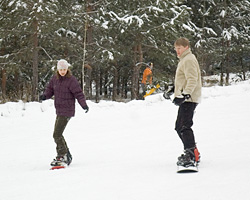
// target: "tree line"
[[108, 42]]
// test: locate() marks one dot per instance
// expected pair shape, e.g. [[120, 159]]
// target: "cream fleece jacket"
[[188, 77]]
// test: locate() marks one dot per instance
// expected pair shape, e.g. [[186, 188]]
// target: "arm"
[[191, 74], [147, 75], [77, 92], [150, 78], [49, 92]]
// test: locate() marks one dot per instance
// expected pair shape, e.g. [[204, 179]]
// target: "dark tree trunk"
[[115, 82], [34, 95], [138, 57], [4, 79]]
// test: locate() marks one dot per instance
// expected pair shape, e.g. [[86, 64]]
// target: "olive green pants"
[[61, 145]]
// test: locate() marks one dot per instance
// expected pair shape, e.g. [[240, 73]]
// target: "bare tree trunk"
[[114, 96], [101, 82], [84, 51], [4, 79], [17, 85], [138, 68], [87, 91], [87, 40], [135, 75], [34, 95], [242, 66], [106, 84], [221, 73], [227, 64], [125, 87], [97, 95], [133, 85]]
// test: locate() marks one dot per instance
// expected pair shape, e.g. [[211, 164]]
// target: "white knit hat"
[[62, 64]]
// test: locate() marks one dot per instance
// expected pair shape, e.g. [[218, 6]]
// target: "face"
[[151, 66], [62, 72], [180, 49]]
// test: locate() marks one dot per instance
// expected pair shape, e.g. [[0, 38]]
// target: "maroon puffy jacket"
[[65, 90]]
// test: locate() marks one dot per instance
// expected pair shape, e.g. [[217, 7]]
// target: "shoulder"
[[73, 80], [189, 58], [148, 70], [53, 78], [190, 62]]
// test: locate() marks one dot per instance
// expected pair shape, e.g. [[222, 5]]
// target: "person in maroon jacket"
[[65, 89]]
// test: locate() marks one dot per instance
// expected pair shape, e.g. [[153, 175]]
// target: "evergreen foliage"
[[107, 42]]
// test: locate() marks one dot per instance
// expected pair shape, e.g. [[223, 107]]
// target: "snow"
[[223, 13], [155, 8], [177, 15], [128, 151], [127, 19], [187, 27], [105, 25]]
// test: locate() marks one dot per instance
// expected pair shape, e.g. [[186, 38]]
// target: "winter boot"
[[59, 161], [191, 157], [62, 160]]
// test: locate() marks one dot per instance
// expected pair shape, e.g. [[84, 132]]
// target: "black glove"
[[42, 97], [86, 108], [180, 99], [168, 93]]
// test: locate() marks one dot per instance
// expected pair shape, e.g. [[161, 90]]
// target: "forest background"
[[109, 42]]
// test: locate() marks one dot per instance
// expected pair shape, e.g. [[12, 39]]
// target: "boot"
[[191, 157], [62, 160]]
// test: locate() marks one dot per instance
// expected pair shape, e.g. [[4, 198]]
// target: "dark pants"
[[144, 89], [184, 123], [61, 145]]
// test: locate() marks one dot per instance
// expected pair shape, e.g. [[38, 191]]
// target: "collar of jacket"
[[188, 51]]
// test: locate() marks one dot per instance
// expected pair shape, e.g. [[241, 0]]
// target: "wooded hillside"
[[107, 42]]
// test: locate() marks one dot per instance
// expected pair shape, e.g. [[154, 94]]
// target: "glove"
[[86, 108], [168, 93], [180, 99], [42, 97]]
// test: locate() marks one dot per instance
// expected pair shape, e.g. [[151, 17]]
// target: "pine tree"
[[232, 33], [139, 32], [120, 37]]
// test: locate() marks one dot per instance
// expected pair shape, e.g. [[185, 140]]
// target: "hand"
[[180, 99], [168, 93], [86, 108], [42, 97]]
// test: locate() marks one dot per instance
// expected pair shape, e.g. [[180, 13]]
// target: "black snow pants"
[[61, 145], [184, 123]]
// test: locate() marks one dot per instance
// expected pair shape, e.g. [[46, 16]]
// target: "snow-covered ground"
[[128, 151]]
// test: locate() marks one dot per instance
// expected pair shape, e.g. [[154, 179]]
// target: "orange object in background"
[[147, 76]]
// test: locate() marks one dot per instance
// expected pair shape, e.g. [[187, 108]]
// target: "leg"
[[143, 86], [184, 123], [61, 145]]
